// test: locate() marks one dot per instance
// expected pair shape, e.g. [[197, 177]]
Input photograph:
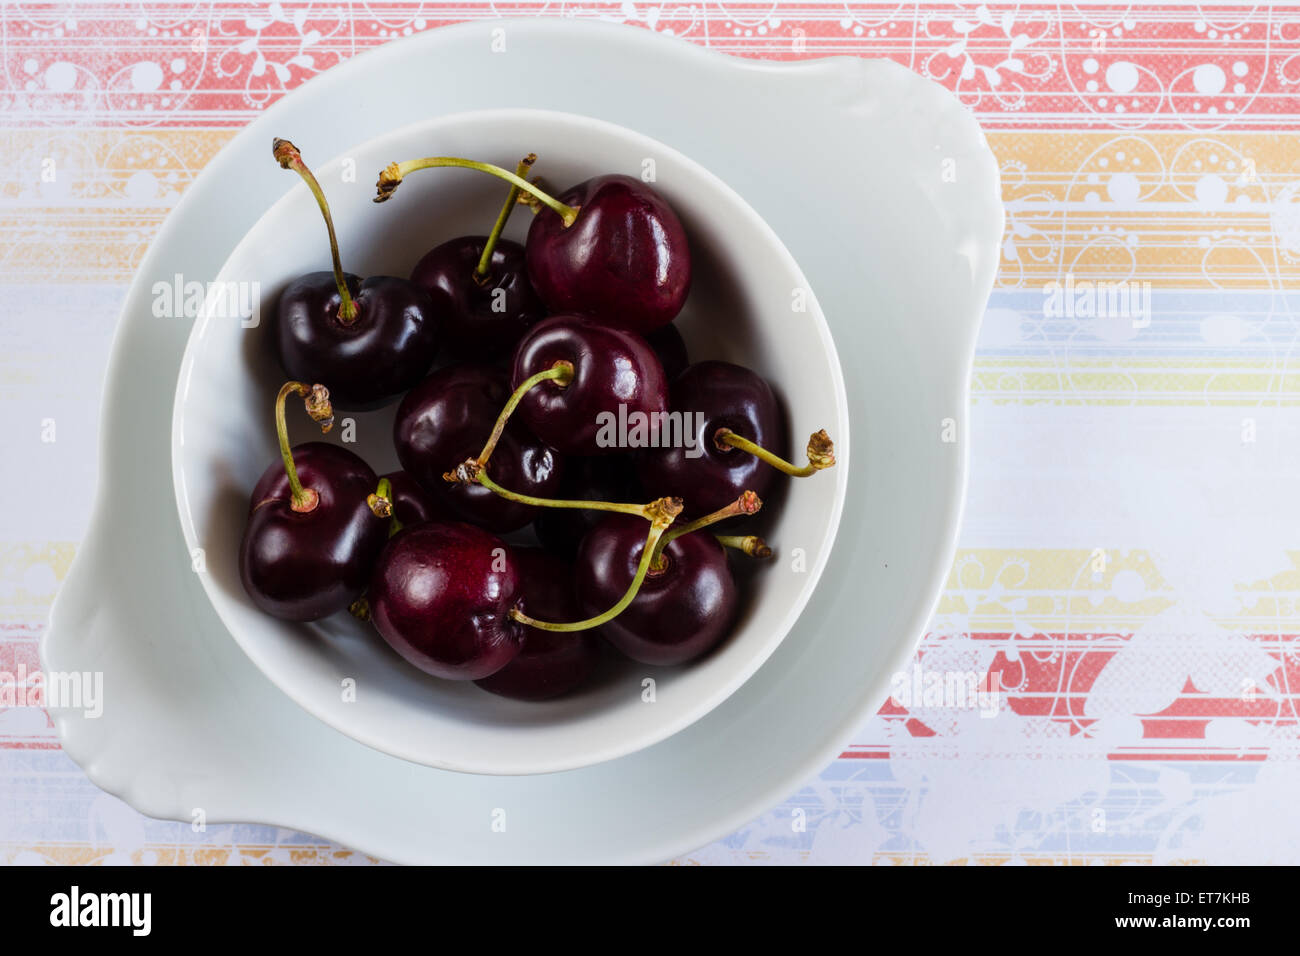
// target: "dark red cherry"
[[616, 379], [446, 419], [625, 259], [412, 505], [479, 317], [551, 662], [367, 362], [367, 341], [599, 478], [683, 610], [441, 596], [305, 565], [671, 349], [715, 395]]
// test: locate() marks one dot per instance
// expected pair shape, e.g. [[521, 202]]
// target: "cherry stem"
[[316, 399], [470, 472], [821, 452], [392, 175], [381, 501], [287, 155], [746, 504], [561, 373], [751, 544], [657, 528], [512, 200]]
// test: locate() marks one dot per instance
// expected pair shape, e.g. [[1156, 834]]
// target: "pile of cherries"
[[547, 341]]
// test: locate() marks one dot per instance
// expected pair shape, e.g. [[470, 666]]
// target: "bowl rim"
[[722, 689]]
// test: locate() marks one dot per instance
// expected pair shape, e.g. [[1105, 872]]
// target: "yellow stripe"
[[82, 206], [110, 190], [161, 854], [1112, 205], [1127, 381]]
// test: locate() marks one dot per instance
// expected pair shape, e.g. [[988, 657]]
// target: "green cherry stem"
[[561, 373], [658, 526], [392, 175], [287, 155], [821, 452], [316, 399], [481, 271], [746, 504], [750, 544], [650, 511]]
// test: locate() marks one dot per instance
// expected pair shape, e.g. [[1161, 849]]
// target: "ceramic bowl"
[[749, 304]]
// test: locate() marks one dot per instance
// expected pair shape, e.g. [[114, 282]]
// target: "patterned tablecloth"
[[1125, 593]]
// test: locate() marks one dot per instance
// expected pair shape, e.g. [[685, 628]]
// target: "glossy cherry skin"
[[480, 319], [412, 505], [717, 395], [551, 662], [441, 596], [368, 362], [302, 566], [599, 478], [610, 368], [669, 346], [679, 613], [625, 260], [445, 420]]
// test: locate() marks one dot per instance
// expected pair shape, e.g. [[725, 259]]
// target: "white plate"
[[740, 309], [846, 160]]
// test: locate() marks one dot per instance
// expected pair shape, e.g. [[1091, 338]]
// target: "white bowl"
[[744, 307]]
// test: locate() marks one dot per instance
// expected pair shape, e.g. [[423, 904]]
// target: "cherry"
[[315, 523], [441, 596], [412, 505], [688, 602], [603, 478], [735, 419], [606, 376], [448, 596], [609, 247], [680, 613], [480, 289], [444, 419], [624, 259], [368, 340], [669, 346], [551, 662]]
